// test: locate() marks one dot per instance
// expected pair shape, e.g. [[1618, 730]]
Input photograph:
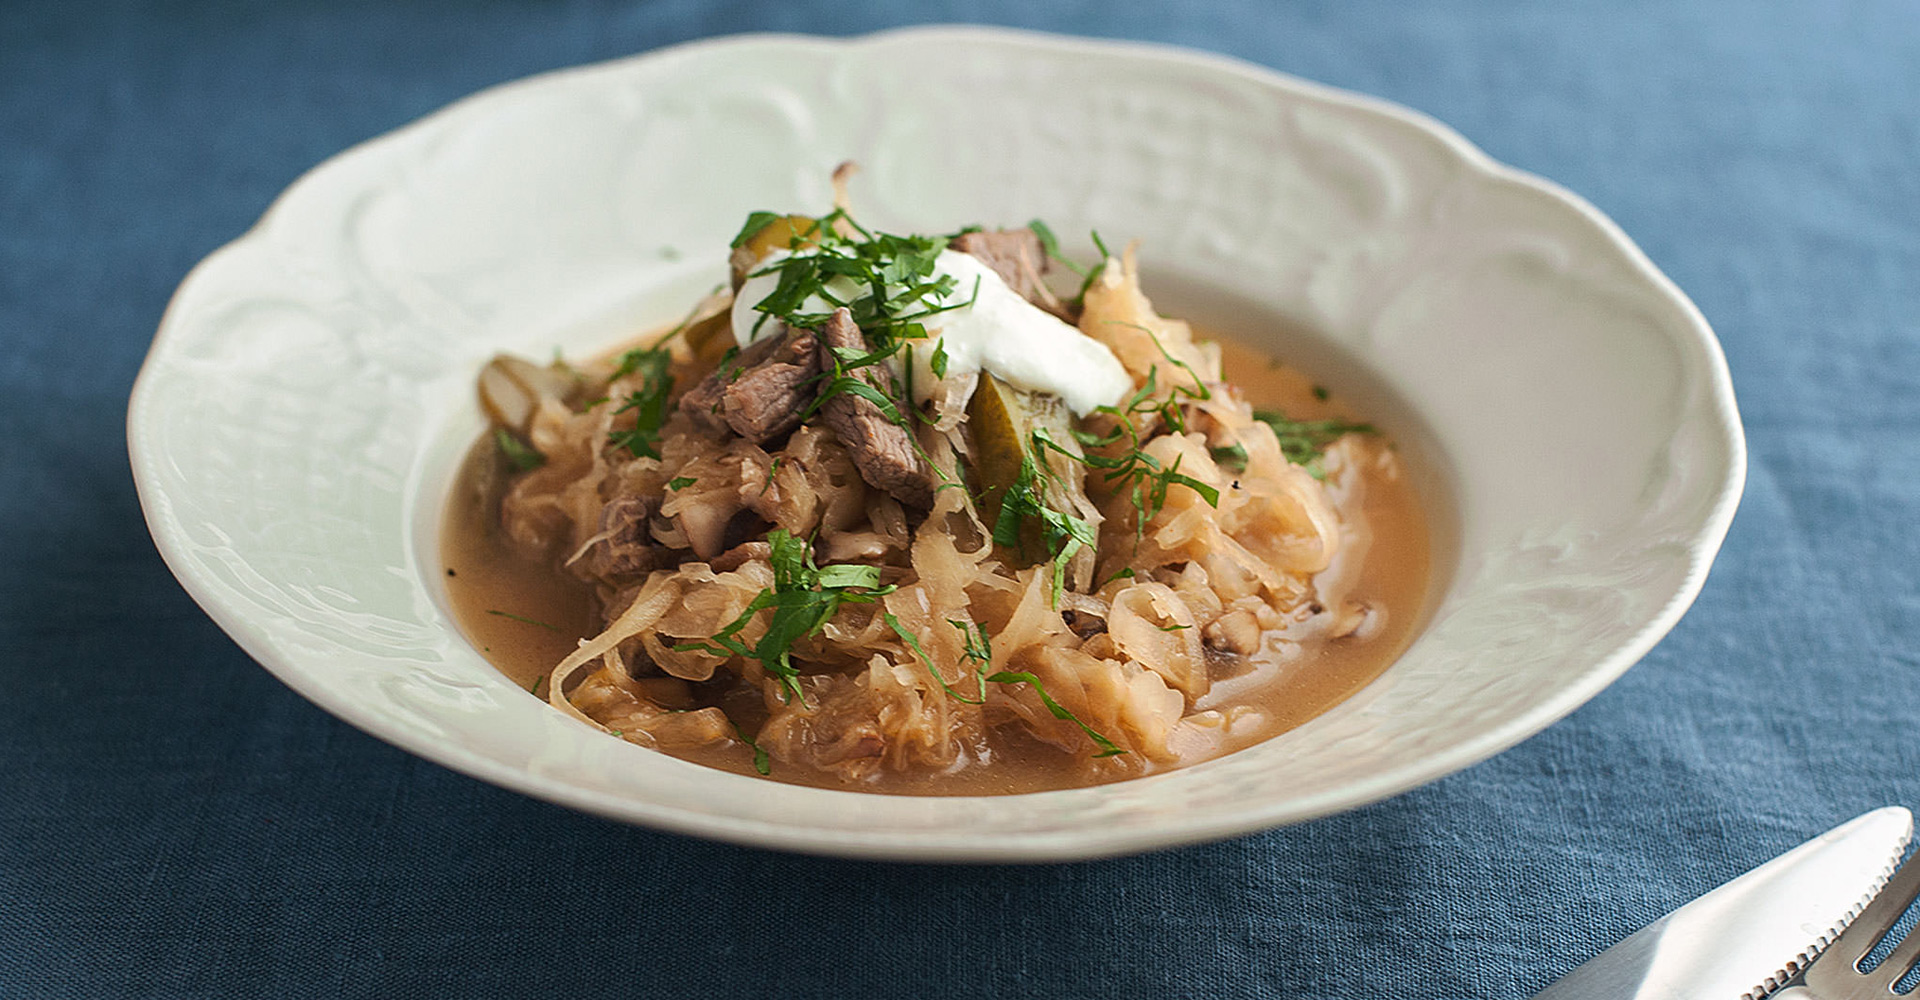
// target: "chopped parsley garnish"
[[523, 456], [679, 483], [761, 762], [1304, 441], [1062, 535], [1107, 747], [648, 403], [756, 221], [1128, 467], [1232, 457], [975, 645], [894, 281], [907, 637], [939, 360], [1051, 246], [803, 598], [523, 618], [979, 650]]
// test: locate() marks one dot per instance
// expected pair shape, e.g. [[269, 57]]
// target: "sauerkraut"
[[824, 556]]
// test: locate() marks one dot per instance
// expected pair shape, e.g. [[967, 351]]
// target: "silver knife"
[[1750, 936]]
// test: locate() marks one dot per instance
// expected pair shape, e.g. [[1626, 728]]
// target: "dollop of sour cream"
[[1000, 333]]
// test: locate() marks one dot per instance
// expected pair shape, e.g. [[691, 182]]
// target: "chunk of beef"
[[760, 393], [1016, 255], [627, 549], [882, 450]]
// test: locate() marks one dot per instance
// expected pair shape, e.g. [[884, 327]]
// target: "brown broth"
[[526, 615]]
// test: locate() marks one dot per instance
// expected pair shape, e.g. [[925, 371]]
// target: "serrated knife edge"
[[1832, 933], [1731, 942]]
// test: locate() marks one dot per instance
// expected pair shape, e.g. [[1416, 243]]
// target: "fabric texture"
[[176, 823]]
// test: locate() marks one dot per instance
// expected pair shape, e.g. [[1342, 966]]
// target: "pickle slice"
[[1001, 420]]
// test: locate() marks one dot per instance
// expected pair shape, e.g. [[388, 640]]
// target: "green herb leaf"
[[908, 638], [848, 575], [523, 456], [1051, 246], [803, 599], [1232, 457], [1303, 441], [976, 646], [648, 403], [939, 360], [756, 221], [522, 618], [761, 762], [679, 483], [1107, 747]]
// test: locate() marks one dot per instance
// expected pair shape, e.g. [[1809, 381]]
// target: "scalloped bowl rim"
[[1089, 843]]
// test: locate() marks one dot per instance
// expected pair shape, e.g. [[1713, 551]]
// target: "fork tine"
[[1898, 963], [1838, 968]]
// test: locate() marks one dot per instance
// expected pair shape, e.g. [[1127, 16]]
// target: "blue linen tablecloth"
[[175, 823]]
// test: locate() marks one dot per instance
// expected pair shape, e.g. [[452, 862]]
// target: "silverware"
[[1753, 934], [1836, 974]]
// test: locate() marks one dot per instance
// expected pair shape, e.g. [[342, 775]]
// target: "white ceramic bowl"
[[1567, 410]]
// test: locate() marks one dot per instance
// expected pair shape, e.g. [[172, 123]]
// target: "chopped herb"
[[977, 649], [591, 403], [803, 598], [522, 618], [1052, 247], [975, 645], [761, 762], [679, 483], [939, 360], [1124, 573], [1232, 457], [1303, 441], [1171, 628], [618, 732], [1320, 393], [756, 221], [907, 637], [1107, 747], [523, 456], [649, 402], [1062, 535], [535, 689], [1129, 469], [889, 283]]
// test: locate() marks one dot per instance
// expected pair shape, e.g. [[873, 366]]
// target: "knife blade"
[[1749, 936]]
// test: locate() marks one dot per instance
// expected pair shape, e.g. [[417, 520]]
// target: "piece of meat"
[[627, 550], [883, 451], [1016, 255], [760, 393]]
